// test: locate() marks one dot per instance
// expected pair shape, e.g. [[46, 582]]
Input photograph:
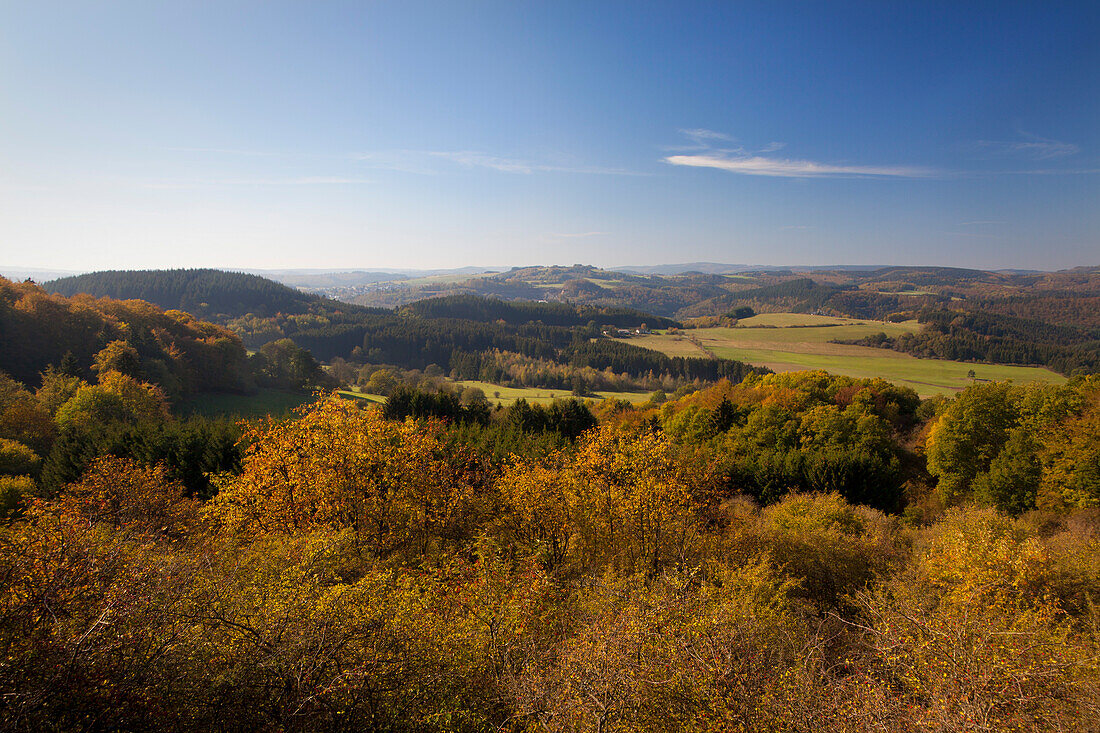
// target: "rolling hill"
[[202, 292]]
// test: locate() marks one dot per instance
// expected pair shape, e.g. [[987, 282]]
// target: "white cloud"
[[704, 138], [757, 165], [707, 151]]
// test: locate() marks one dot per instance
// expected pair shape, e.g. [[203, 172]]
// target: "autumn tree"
[[117, 397], [22, 419], [58, 387], [396, 485], [118, 356], [631, 499]]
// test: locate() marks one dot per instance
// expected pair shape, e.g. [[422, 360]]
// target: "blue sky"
[[415, 134]]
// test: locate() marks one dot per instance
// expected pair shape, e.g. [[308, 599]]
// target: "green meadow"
[[794, 341]]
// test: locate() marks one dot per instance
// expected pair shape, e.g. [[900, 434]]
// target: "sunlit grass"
[[507, 395], [782, 348]]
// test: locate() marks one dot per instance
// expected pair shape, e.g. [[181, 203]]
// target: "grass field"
[[673, 345], [792, 342], [265, 402], [508, 395], [355, 394]]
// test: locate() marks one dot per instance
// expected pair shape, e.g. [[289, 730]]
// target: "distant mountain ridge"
[[707, 268]]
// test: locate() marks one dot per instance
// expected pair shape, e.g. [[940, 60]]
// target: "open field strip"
[[784, 348], [507, 395], [274, 402], [355, 394], [670, 344]]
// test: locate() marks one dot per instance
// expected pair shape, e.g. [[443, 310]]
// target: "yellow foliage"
[[396, 485], [970, 630]]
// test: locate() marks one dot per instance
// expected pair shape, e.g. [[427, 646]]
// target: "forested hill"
[[172, 349], [519, 312], [203, 292]]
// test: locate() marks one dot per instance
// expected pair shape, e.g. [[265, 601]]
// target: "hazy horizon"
[[342, 136], [42, 274]]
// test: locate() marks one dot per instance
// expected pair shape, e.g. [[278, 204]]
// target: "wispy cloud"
[[708, 149], [1048, 172], [1028, 146], [702, 138], [473, 159], [757, 165]]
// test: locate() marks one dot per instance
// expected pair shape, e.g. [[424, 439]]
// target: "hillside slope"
[[171, 348]]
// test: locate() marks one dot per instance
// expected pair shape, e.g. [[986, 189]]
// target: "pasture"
[[793, 341]]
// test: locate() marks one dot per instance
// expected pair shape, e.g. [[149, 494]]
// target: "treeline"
[[1080, 309], [627, 358], [998, 339], [551, 343], [516, 370], [805, 295], [804, 431], [519, 312], [406, 402], [568, 418], [416, 343], [472, 350]]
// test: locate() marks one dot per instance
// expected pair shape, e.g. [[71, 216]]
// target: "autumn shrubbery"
[[974, 628], [364, 574]]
